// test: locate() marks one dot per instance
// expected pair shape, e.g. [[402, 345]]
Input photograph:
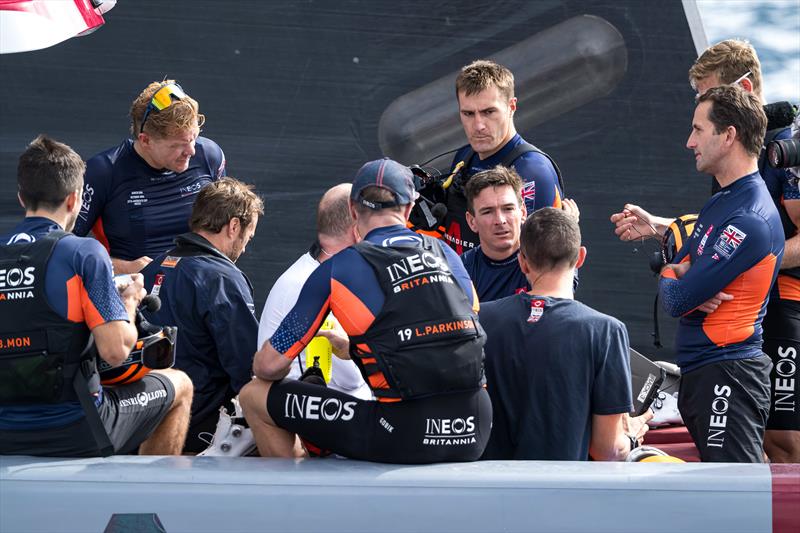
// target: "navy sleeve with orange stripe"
[[345, 284], [79, 284], [741, 246]]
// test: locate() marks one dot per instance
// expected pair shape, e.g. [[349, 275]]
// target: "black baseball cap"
[[389, 175]]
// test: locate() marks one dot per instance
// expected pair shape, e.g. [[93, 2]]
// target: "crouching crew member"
[[210, 300], [407, 305], [56, 289]]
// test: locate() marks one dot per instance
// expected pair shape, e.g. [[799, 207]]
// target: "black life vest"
[[426, 340], [40, 352], [457, 232]]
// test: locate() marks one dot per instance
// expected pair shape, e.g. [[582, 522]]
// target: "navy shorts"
[[446, 427]]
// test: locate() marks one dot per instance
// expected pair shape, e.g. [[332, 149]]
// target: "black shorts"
[[129, 413], [782, 344], [451, 427], [725, 406]]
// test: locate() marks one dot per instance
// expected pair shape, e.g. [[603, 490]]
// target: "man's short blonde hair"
[[484, 74], [729, 60], [180, 116]]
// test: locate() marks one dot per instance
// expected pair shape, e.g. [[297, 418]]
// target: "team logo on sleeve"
[[729, 240], [529, 192], [702, 245]]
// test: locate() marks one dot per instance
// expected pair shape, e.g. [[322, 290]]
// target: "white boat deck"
[[216, 494]]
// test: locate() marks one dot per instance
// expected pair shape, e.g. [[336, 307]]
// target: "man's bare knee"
[[184, 389], [253, 398]]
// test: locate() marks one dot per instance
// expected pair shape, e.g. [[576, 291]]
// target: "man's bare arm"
[[121, 266], [634, 223], [270, 364], [114, 340], [611, 435]]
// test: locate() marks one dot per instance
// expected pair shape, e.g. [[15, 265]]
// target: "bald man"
[[335, 232]]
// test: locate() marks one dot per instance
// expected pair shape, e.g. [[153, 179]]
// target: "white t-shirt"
[[345, 375]]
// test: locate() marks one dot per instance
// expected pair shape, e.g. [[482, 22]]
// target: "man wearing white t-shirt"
[[335, 232]]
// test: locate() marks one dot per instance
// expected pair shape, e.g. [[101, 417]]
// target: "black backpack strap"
[[524, 148], [81, 385], [656, 330]]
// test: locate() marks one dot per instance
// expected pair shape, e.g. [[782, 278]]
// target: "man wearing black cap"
[[409, 309]]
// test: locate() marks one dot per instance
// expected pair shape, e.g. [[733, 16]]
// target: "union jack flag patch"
[[729, 240], [529, 192]]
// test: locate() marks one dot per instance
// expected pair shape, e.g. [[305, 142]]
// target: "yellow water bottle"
[[319, 351]]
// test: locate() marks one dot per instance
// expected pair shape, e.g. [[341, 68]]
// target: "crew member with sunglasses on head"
[[138, 195], [736, 62]]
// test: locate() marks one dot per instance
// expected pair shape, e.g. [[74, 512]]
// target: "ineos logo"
[[86, 202], [719, 419], [449, 426], [316, 408], [783, 389], [17, 277], [414, 264]]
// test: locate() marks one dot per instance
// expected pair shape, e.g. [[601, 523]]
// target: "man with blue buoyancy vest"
[[56, 289], [486, 102], [210, 300], [138, 195], [409, 309], [734, 61]]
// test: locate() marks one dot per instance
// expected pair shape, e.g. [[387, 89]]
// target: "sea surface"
[[773, 27]]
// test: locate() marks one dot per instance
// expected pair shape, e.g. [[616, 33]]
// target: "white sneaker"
[[665, 410], [232, 437]]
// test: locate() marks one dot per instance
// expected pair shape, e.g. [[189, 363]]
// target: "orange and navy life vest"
[[426, 339]]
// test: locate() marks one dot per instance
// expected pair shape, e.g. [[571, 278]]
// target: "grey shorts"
[[130, 413]]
